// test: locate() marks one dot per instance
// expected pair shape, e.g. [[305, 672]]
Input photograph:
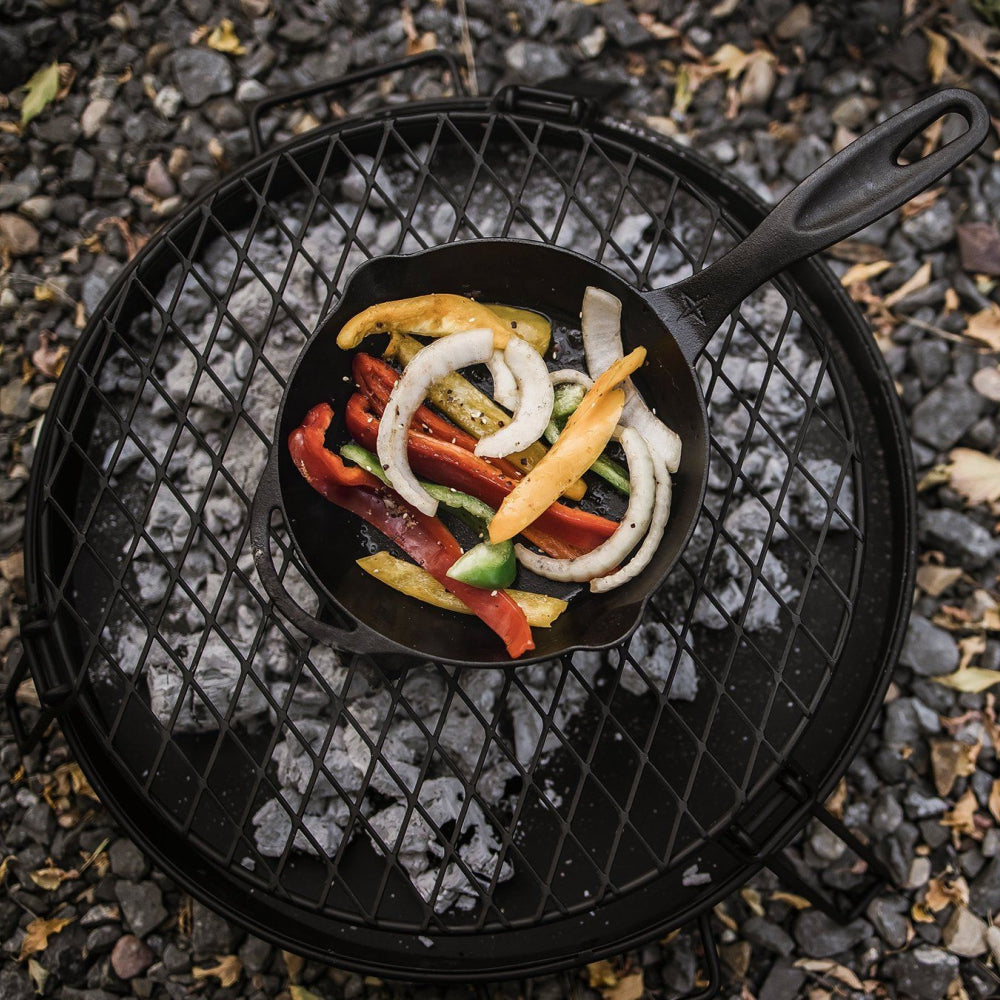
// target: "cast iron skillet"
[[854, 188]]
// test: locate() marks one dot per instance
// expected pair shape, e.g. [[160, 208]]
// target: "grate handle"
[[360, 639], [853, 189], [347, 80]]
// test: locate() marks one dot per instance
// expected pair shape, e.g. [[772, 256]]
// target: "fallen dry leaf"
[[974, 475], [921, 202], [224, 39], [601, 975], [935, 580], [301, 993], [951, 760], [751, 897], [835, 803], [51, 878], [937, 54], [984, 326], [961, 818], [864, 272], [50, 357], [920, 278], [629, 987], [944, 891], [970, 647], [228, 971], [293, 964], [972, 680], [37, 934], [796, 902], [41, 89], [827, 967]]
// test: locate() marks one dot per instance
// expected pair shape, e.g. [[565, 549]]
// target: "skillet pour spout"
[[857, 186]]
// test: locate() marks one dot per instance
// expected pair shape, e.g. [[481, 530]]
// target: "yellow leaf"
[[730, 59], [42, 89], [797, 902], [935, 580], [937, 54], [972, 680], [224, 39], [51, 878], [228, 971], [684, 89], [914, 283], [39, 975], [293, 964], [985, 326], [37, 934], [752, 898], [3, 867], [601, 975], [864, 272], [935, 476], [975, 475]]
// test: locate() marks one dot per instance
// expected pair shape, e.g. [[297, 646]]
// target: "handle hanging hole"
[[938, 133]]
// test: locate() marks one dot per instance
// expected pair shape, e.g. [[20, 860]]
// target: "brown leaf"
[[629, 987], [864, 272], [835, 803], [943, 891], [974, 475], [985, 326], [228, 971], [961, 818], [751, 897], [970, 646], [796, 902], [51, 878], [937, 54], [50, 357], [976, 51], [293, 964], [920, 278], [37, 934], [921, 202], [972, 680], [935, 580], [952, 760], [301, 993]]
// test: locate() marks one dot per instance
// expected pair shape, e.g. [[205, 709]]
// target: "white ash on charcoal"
[[352, 749]]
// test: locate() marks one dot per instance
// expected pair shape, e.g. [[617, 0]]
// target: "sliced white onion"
[[570, 376], [504, 384], [601, 326], [633, 525], [646, 551], [534, 402], [437, 359]]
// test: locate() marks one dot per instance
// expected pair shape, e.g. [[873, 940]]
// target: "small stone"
[[81, 170], [961, 538], [965, 934], [928, 650], [783, 982], [42, 396], [794, 23], [13, 193], [621, 24], [984, 893], [920, 806], [102, 939], [299, 33], [127, 861], [15, 400], [890, 925], [201, 74], [195, 180], [946, 413], [820, 936], [923, 973], [142, 905], [920, 873], [101, 913], [887, 813], [158, 180], [210, 933], [250, 91], [806, 155], [176, 960], [168, 101], [993, 942], [757, 84], [979, 248], [534, 62], [18, 236], [932, 359], [255, 954], [15, 984], [130, 957], [931, 228], [852, 111], [37, 209], [93, 116], [764, 934]]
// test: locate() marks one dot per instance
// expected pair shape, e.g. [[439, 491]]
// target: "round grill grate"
[[429, 824]]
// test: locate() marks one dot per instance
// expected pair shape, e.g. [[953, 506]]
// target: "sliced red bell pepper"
[[376, 379], [425, 539], [448, 464]]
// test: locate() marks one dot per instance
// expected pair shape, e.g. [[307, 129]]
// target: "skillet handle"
[[267, 500], [854, 188]]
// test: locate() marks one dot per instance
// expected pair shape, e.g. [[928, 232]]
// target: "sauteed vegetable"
[[506, 468]]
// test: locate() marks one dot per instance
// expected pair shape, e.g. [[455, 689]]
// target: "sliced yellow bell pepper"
[[472, 410], [529, 326], [425, 315], [584, 438], [414, 581]]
